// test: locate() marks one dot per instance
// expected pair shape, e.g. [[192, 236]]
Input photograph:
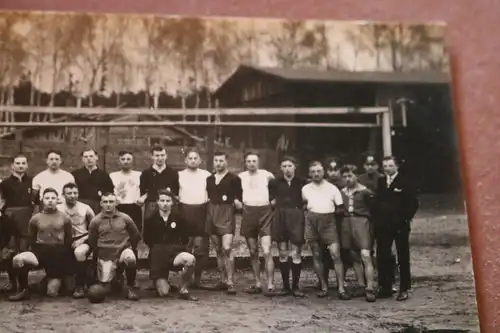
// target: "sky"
[[168, 75]]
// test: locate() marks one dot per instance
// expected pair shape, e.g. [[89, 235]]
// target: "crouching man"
[[113, 237], [167, 237], [50, 239]]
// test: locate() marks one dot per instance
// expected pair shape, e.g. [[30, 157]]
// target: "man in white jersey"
[[53, 177], [323, 202], [256, 220], [126, 182], [193, 200], [80, 215]]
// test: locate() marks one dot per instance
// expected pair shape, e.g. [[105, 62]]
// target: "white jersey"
[[80, 215], [322, 198], [256, 187], [127, 186], [55, 180], [193, 186]]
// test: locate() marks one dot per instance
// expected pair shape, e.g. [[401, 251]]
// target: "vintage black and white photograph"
[[191, 174]]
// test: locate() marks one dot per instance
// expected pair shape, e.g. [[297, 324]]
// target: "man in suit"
[[395, 206]]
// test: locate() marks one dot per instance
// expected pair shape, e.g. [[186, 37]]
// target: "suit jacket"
[[396, 204]]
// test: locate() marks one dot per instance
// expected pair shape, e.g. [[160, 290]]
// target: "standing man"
[[288, 223], [159, 176], [50, 240], [395, 206], [371, 176], [92, 182], [225, 196], [53, 177], [356, 232], [193, 207], [113, 238], [323, 202], [256, 220], [167, 236], [126, 183], [16, 192], [80, 215]]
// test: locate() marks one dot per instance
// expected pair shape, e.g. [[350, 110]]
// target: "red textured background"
[[476, 69]]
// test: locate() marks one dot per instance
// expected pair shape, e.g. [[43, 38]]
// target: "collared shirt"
[[357, 200], [80, 216], [226, 191], [370, 180], [256, 187], [193, 186], [127, 185], [55, 180], [152, 181], [322, 198], [50, 228], [92, 184], [287, 194], [110, 234], [390, 179], [171, 231], [17, 192]]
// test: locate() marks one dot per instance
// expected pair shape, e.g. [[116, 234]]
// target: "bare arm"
[[89, 216], [93, 234]]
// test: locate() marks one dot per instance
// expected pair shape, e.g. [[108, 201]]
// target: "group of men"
[[57, 220]]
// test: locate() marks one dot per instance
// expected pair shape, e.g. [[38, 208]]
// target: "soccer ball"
[[96, 293]]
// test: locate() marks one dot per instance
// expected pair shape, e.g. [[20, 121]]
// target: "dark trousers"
[[385, 237]]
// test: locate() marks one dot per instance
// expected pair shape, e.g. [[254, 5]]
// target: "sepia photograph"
[[210, 174]]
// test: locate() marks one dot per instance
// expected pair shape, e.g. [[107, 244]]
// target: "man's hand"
[[141, 200], [237, 204], [273, 203]]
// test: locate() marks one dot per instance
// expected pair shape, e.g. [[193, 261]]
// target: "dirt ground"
[[443, 297]]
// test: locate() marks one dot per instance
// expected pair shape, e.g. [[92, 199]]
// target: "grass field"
[[443, 297]]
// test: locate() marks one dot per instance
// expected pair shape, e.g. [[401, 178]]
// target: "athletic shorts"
[[79, 240], [256, 221], [56, 260], [135, 213], [106, 269], [20, 218], [356, 233], [162, 260], [288, 225], [321, 228], [195, 217], [220, 219]]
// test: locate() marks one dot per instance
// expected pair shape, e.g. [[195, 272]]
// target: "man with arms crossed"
[[113, 238], [18, 198], [53, 177], [167, 236], [225, 196], [80, 215], [323, 201], [257, 219], [355, 232], [288, 223], [92, 182], [50, 239]]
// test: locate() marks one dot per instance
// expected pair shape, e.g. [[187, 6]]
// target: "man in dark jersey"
[[19, 200], [92, 182], [225, 196], [288, 224], [50, 238], [167, 236]]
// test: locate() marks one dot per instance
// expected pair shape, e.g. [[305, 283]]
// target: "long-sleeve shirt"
[[228, 189], [110, 234], [18, 192], [50, 228], [92, 184], [287, 195], [171, 232], [357, 201], [152, 181]]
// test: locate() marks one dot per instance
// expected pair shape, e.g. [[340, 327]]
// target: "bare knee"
[[53, 287], [81, 254], [190, 261], [266, 251], [297, 256], [366, 257], [334, 251]]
